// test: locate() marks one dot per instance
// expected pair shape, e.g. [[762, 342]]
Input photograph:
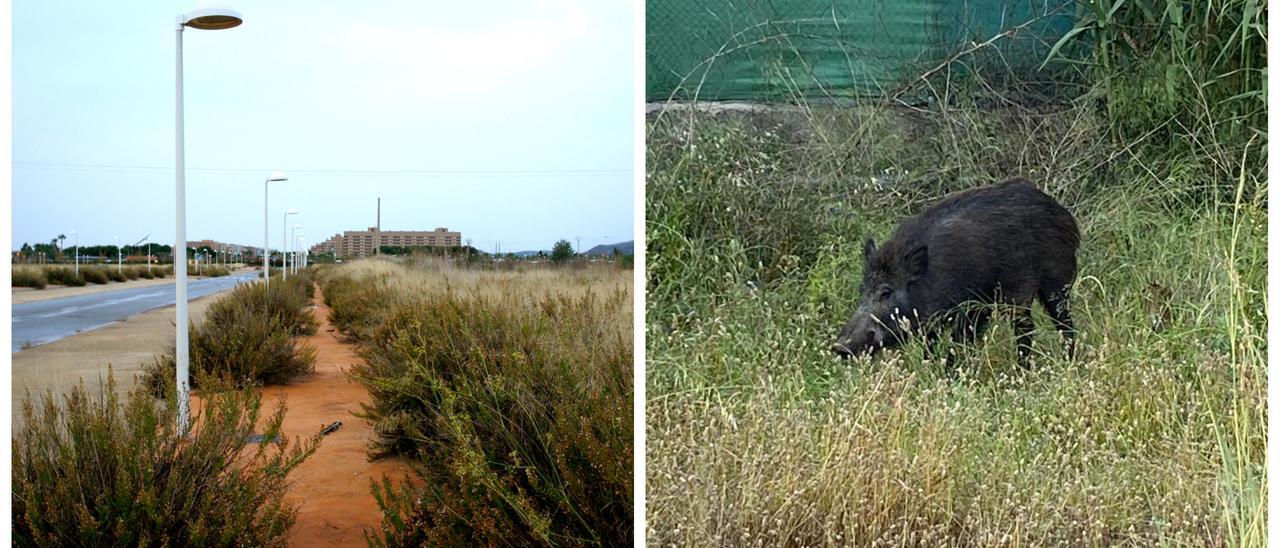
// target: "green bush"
[[214, 271], [356, 308], [115, 275], [96, 472], [248, 336], [289, 301], [29, 277], [64, 275], [94, 275]]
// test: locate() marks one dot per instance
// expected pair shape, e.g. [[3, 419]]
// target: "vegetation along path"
[[331, 487]]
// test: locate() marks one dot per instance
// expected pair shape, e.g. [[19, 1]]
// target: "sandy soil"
[[29, 294], [124, 345], [332, 487]]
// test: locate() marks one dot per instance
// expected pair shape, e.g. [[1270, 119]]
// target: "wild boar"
[[1007, 244]]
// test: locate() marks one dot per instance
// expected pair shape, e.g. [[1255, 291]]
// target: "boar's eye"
[[886, 293]]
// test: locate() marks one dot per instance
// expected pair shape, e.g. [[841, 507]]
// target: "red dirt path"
[[332, 486]]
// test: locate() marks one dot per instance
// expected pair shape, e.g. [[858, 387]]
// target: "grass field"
[[510, 388], [758, 435]]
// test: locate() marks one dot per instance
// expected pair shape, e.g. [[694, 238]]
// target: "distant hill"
[[625, 248]]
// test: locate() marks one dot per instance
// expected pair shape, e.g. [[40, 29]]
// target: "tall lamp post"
[[206, 16], [284, 242], [73, 233], [266, 244], [302, 252], [293, 242]]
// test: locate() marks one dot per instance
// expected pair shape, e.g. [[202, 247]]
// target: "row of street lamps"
[[207, 15]]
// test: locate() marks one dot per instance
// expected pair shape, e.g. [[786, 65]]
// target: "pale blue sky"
[[509, 121]]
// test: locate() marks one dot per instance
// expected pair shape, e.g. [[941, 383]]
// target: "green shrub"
[[356, 308], [115, 275], [289, 301], [247, 336], [145, 273], [64, 275], [96, 472], [214, 271], [133, 272], [29, 277], [94, 275]]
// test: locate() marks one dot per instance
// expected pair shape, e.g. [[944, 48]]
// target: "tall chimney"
[[377, 238]]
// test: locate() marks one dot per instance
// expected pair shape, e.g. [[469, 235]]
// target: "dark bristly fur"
[[1007, 243]]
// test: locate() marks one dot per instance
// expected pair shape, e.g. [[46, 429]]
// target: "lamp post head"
[[277, 176], [297, 226], [291, 211], [212, 15]]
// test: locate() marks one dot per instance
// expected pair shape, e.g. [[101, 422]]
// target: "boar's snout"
[[861, 336]]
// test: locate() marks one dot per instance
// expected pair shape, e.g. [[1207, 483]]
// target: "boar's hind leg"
[[1057, 303]]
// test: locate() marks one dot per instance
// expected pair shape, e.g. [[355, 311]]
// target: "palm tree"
[[61, 238]]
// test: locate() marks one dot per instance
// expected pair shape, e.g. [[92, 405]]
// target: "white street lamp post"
[[284, 243], [266, 244], [73, 233], [294, 242], [206, 16], [119, 254]]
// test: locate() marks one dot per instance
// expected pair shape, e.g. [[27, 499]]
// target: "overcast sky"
[[509, 121]]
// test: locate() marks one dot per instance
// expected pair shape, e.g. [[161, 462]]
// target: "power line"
[[338, 172]]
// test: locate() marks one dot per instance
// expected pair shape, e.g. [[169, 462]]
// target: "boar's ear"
[[917, 261], [868, 247]]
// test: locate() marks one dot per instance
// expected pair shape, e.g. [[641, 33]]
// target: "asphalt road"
[[41, 322]]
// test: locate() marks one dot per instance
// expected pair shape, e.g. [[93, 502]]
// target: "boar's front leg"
[[1023, 329]]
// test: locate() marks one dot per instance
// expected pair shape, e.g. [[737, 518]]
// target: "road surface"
[[41, 322]]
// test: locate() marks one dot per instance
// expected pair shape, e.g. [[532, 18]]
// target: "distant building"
[[223, 247], [361, 243]]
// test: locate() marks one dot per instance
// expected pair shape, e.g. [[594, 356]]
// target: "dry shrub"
[[29, 277], [63, 275], [511, 390], [95, 472]]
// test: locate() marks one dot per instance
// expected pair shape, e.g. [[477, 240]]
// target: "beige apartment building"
[[361, 243]]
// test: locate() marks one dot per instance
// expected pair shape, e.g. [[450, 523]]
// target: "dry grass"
[[512, 390]]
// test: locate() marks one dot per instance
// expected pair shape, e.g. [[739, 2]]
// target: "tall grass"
[[1197, 69], [511, 390], [95, 471], [757, 435], [26, 276]]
